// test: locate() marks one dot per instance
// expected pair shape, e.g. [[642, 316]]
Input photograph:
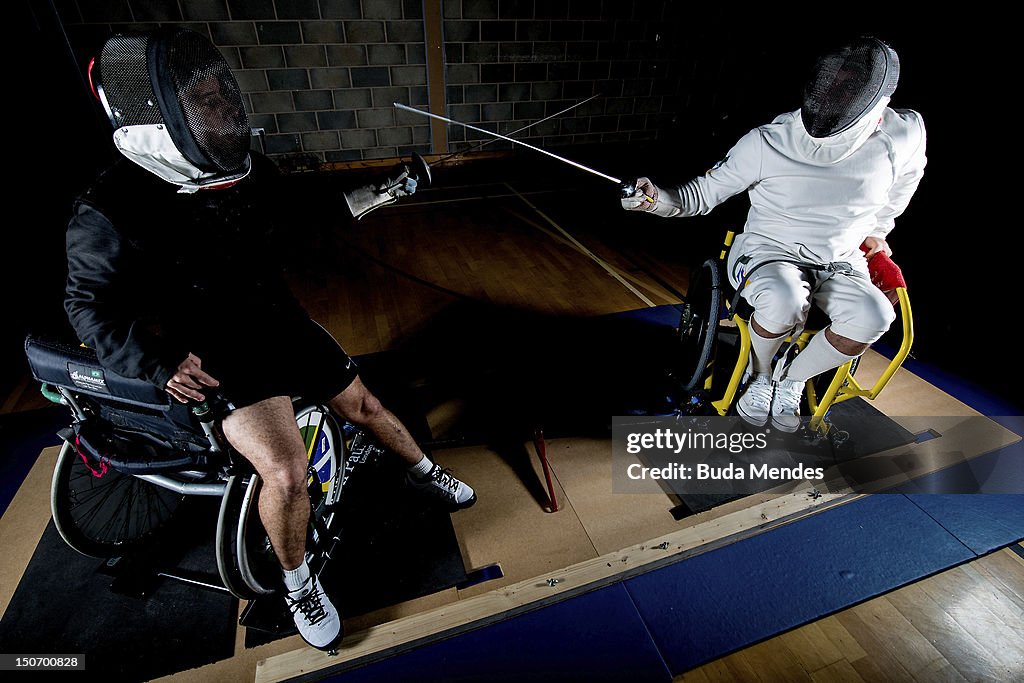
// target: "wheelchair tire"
[[698, 326], [245, 556], [110, 515], [227, 520]]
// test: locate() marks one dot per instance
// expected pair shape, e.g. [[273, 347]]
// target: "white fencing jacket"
[[814, 198]]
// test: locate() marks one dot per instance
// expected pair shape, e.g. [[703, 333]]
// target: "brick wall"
[[320, 76], [512, 62]]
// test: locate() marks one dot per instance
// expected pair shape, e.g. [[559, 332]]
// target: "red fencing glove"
[[885, 275]]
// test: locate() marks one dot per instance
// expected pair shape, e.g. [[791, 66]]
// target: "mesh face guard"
[[847, 84], [123, 84], [176, 107], [201, 101]]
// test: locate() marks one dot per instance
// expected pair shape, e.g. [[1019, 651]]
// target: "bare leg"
[[763, 332], [845, 344], [265, 433], [357, 405]]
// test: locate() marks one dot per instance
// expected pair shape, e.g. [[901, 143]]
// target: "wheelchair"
[[714, 316], [132, 454]]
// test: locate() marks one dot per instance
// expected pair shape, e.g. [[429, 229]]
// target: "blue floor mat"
[[666, 315], [981, 522], [715, 603], [596, 637]]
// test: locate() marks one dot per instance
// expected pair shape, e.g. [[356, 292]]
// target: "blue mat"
[[998, 472], [721, 601], [666, 315], [983, 523], [596, 637]]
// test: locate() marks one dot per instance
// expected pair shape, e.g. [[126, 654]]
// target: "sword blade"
[[512, 140], [516, 131]]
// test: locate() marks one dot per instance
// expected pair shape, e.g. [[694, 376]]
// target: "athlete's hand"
[[644, 199], [188, 381], [875, 245]]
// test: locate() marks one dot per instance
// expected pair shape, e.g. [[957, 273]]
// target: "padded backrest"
[[129, 405], [77, 368]]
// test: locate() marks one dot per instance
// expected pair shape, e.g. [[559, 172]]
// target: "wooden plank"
[[774, 661], [612, 520], [900, 639], [965, 653], [999, 598], [1007, 568], [434, 39], [837, 672], [23, 523], [692, 676], [811, 647], [740, 669], [718, 671], [841, 638], [879, 663], [508, 524], [968, 604], [497, 605]]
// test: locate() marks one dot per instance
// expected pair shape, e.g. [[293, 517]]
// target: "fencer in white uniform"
[[822, 180]]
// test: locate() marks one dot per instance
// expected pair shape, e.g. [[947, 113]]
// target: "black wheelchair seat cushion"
[[77, 368]]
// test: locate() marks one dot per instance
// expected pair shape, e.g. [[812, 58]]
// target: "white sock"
[[422, 468], [763, 349], [818, 356], [298, 578]]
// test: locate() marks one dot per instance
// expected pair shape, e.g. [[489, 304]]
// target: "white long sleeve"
[[908, 177], [821, 198]]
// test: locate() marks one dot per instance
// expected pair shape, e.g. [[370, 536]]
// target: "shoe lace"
[[760, 391], [445, 479], [788, 395], [310, 605]]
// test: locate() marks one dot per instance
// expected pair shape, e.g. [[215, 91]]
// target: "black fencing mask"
[[847, 84], [176, 108]]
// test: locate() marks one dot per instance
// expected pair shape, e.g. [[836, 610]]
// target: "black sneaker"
[[315, 616], [442, 485]]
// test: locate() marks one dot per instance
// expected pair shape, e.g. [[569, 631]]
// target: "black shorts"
[[290, 359]]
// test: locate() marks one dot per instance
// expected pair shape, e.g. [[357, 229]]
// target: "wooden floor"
[[965, 624], [389, 278]]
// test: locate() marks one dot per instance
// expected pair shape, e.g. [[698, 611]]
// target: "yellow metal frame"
[[843, 386]]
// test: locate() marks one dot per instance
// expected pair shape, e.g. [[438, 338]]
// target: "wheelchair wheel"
[[109, 515], [698, 326], [245, 556]]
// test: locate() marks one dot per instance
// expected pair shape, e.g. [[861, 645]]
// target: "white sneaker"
[[441, 484], [786, 407], [755, 404], [315, 616]]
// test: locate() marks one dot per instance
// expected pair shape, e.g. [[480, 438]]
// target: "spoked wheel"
[[106, 513], [245, 555], [698, 326]]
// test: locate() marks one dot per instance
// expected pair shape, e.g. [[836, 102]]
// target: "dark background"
[[702, 76]]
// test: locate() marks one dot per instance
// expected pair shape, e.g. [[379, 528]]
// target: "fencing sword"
[[624, 187], [515, 132]]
